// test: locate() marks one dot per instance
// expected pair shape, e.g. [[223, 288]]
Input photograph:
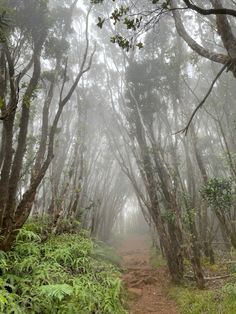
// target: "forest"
[[117, 156]]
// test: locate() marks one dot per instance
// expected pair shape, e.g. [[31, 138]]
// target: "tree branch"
[[216, 57], [216, 11], [185, 130]]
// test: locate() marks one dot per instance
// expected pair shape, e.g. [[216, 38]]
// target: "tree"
[[155, 98], [137, 20], [31, 33]]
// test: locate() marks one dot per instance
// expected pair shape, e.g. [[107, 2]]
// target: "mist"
[[117, 121]]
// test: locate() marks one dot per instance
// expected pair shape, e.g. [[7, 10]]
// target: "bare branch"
[[185, 130]]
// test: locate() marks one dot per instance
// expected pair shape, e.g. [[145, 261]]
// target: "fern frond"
[[56, 292], [27, 235]]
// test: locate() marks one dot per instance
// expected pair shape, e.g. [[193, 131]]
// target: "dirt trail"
[[145, 284]]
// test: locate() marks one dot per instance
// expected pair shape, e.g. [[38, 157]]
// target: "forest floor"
[[146, 285]]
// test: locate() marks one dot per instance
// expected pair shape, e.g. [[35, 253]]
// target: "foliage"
[[230, 289], [131, 22], [193, 301], [106, 253], [218, 193], [60, 275], [168, 216], [5, 20]]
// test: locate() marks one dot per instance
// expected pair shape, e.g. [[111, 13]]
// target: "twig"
[[217, 277], [209, 278], [185, 129]]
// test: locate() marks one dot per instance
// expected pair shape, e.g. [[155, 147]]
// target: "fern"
[[48, 272], [27, 235], [8, 301], [27, 248], [56, 292], [3, 261], [62, 255], [27, 264], [106, 253], [60, 275]]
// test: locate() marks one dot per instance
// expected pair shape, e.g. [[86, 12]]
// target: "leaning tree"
[[27, 38]]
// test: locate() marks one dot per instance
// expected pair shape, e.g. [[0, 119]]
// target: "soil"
[[146, 285]]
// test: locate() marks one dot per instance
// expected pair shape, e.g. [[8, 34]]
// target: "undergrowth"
[[215, 300], [60, 275], [156, 259], [193, 301]]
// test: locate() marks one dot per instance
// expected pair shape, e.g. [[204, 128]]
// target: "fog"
[[98, 123]]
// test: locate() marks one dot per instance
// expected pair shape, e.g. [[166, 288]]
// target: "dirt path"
[[145, 284]]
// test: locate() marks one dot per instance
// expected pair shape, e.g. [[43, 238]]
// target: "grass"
[[190, 300], [156, 259], [194, 301], [219, 298]]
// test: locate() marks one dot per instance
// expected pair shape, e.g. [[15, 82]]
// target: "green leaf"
[[140, 45], [100, 22], [58, 292]]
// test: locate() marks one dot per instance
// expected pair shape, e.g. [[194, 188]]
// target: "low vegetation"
[[156, 259], [219, 297], [194, 301], [62, 274]]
